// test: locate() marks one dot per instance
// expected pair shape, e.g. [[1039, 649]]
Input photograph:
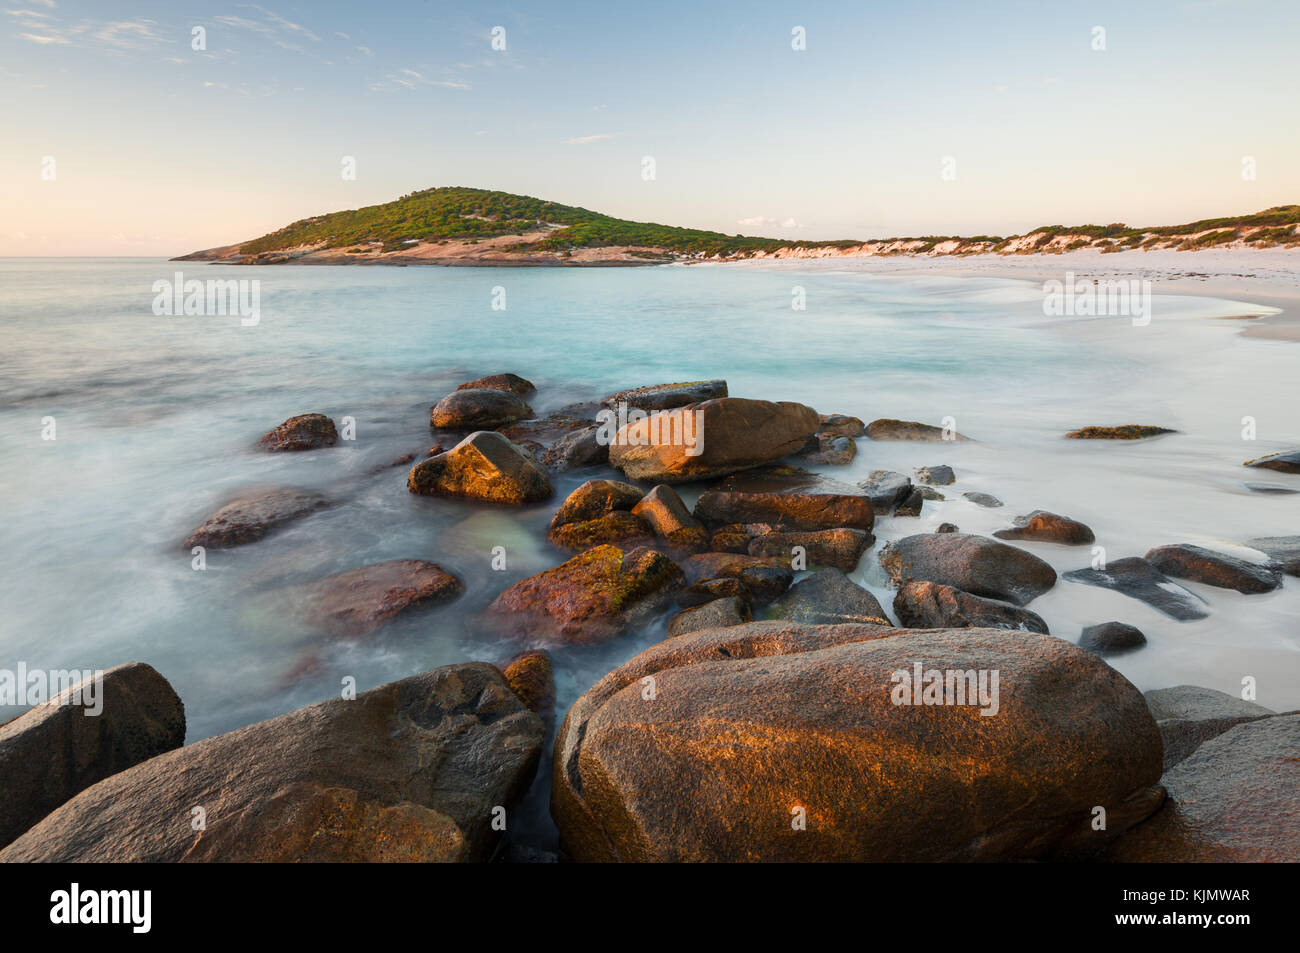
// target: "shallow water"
[[157, 419]]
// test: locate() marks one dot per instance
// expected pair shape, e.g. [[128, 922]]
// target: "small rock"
[[829, 450], [1189, 715], [707, 591], [711, 615], [1185, 561], [356, 603], [668, 516], [594, 499], [1286, 462], [620, 528], [731, 538], [974, 564], [1138, 579], [436, 449], [912, 505], [508, 382], [840, 548], [1043, 526], [479, 409], [531, 677], [842, 425], [1123, 432], [935, 476], [484, 466], [886, 489], [1271, 488], [828, 597], [1111, 638], [304, 432], [578, 448], [928, 605], [947, 528], [668, 396], [928, 492], [253, 515], [765, 579], [982, 499], [888, 429]]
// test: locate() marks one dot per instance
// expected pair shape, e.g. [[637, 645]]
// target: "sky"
[[122, 134]]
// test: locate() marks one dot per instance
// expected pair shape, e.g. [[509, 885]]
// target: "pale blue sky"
[[161, 149]]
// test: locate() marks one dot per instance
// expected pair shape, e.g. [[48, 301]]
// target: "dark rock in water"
[[1284, 551], [828, 597], [531, 677], [1189, 715], [304, 432], [594, 499], [93, 729], [840, 548], [825, 449], [714, 438], [409, 771], [708, 591], [928, 492], [886, 489], [1138, 579], [554, 426], [792, 510], [436, 449], [484, 466], [668, 396], [888, 429], [358, 602], [509, 382], [929, 605], [1286, 462], [620, 528], [912, 504], [1123, 432], [1046, 527], [947, 528], [668, 516], [1111, 638], [1185, 561], [935, 476], [731, 538], [765, 579], [1271, 488], [481, 409], [578, 448], [982, 499], [1234, 799], [253, 515], [742, 716], [975, 564], [732, 610], [842, 425], [594, 597]]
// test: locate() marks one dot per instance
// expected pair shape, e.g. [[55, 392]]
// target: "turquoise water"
[[157, 418]]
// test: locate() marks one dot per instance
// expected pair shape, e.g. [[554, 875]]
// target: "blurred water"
[[157, 418]]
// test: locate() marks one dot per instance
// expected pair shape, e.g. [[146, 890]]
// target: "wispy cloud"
[[43, 40], [583, 140], [130, 34], [412, 79]]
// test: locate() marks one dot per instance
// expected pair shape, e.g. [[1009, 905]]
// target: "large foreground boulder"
[[777, 742], [253, 514], [710, 439], [55, 751], [409, 771], [1236, 798], [975, 564], [594, 597], [484, 466]]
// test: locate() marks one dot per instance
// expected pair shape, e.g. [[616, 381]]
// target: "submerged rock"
[[484, 466], [508, 382], [1122, 432], [251, 516], [889, 429], [478, 409], [55, 751], [1111, 638], [731, 610], [929, 605], [1139, 580], [358, 602], [1189, 715], [744, 716], [828, 597], [409, 771], [1185, 561], [668, 396], [1236, 798], [1286, 462], [1282, 551], [974, 564], [935, 476], [912, 504], [710, 439], [840, 548], [594, 597], [304, 432], [982, 499], [1046, 527]]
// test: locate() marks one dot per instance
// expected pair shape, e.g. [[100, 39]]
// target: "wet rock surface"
[[975, 564], [1188, 715], [1122, 432], [928, 605], [507, 382], [1186, 561], [667, 396], [356, 603], [730, 610], [828, 597], [1046, 527], [484, 466], [1111, 638], [1286, 462], [484, 408], [840, 548], [889, 429], [304, 432], [1138, 579], [253, 515]]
